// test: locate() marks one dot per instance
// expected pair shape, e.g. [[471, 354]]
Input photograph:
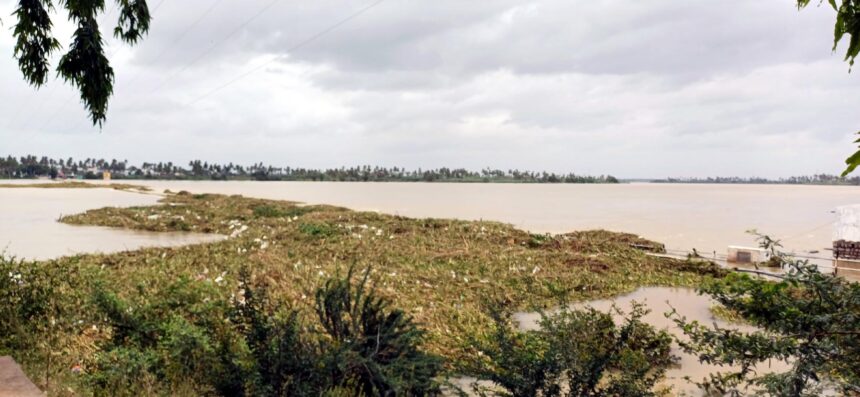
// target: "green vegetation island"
[[31, 167]]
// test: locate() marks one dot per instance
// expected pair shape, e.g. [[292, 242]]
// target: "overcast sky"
[[630, 88]]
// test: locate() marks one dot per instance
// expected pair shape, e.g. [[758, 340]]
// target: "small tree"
[[808, 319], [576, 353]]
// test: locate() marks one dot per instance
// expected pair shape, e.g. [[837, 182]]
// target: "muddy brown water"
[[683, 216], [13, 381], [29, 227]]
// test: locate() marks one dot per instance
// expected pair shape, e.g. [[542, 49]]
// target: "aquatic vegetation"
[[272, 211], [436, 270]]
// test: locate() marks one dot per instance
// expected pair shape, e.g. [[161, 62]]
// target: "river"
[[683, 216], [29, 227]]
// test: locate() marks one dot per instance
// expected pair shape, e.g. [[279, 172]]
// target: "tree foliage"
[[853, 161], [847, 22], [809, 320], [575, 353], [84, 65]]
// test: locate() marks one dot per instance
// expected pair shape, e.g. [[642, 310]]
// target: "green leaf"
[[852, 161], [85, 65], [34, 41]]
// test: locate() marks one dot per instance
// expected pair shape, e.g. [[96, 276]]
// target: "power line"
[[291, 49], [154, 9], [215, 45], [180, 36], [39, 105], [295, 47]]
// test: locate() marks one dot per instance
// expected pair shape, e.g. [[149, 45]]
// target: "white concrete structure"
[[738, 254], [847, 226]]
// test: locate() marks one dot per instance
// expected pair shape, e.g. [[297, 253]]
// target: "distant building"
[[106, 175]]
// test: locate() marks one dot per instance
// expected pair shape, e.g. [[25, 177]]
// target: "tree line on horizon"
[[31, 166], [816, 179]]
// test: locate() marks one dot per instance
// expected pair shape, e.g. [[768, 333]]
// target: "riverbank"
[[437, 270]]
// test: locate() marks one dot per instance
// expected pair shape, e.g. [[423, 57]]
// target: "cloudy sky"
[[631, 88]]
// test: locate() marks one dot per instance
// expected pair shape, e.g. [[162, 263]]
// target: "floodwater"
[[682, 216], [705, 217], [660, 301], [29, 227]]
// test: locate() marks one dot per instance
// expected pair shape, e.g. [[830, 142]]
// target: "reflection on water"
[[29, 227], [661, 300], [707, 217]]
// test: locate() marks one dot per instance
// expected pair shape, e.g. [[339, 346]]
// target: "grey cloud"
[[604, 86]]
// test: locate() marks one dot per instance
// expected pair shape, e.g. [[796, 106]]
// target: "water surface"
[[29, 227], [683, 216]]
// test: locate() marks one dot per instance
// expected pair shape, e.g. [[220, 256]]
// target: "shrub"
[[574, 353], [282, 358], [40, 306], [317, 229], [26, 302], [170, 337], [271, 211], [185, 334], [372, 344]]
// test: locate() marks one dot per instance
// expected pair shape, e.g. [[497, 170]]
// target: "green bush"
[[171, 337], [40, 307], [574, 353], [26, 301], [372, 344], [271, 211], [317, 229], [187, 334], [282, 359]]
